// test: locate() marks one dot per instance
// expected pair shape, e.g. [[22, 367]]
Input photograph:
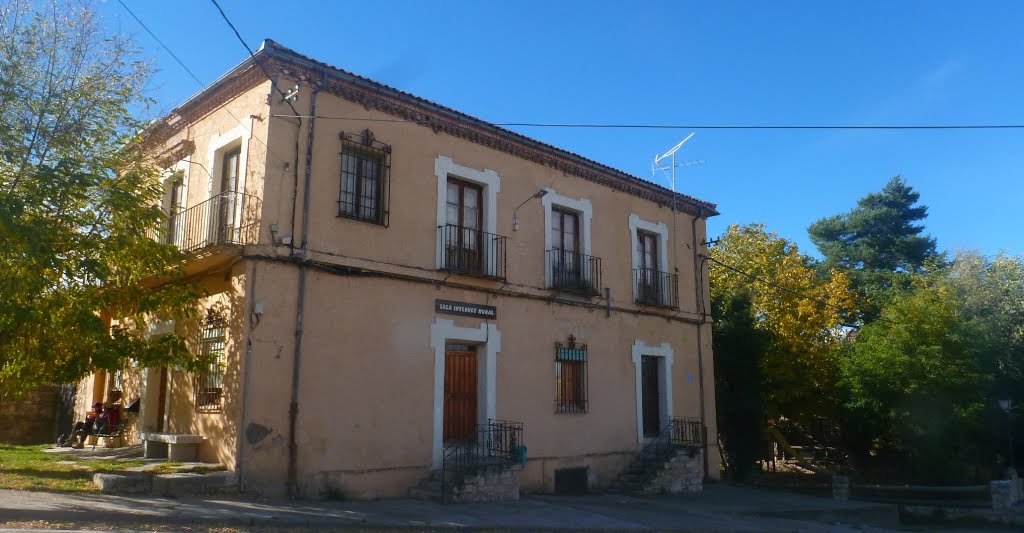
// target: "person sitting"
[[85, 428], [107, 421]]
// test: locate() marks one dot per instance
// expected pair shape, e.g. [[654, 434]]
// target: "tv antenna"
[[669, 167], [667, 163]]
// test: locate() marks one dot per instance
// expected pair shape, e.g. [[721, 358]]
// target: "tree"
[[738, 346], [878, 243], [799, 311], [78, 198], [921, 381]]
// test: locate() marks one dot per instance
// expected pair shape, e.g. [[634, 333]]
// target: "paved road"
[[719, 508]]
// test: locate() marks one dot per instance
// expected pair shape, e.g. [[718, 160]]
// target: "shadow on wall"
[[210, 404]]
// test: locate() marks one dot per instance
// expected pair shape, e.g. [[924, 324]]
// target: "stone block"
[[123, 483], [191, 484]]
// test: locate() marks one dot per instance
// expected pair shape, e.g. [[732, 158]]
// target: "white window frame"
[[444, 168], [658, 228], [666, 359], [580, 206]]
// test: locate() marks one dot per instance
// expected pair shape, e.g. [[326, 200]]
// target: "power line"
[[694, 126], [253, 56], [197, 80]]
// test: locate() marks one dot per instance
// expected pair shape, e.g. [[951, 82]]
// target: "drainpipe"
[[698, 270], [293, 407]]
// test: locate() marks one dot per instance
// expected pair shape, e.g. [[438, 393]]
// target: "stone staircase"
[[482, 469], [671, 463]]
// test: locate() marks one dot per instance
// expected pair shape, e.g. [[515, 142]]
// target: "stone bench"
[[172, 446]]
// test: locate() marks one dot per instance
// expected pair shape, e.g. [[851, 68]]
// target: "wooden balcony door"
[[464, 210], [649, 279], [565, 240], [225, 205], [460, 392]]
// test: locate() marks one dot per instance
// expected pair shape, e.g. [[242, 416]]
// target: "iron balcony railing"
[[494, 447], [229, 218], [655, 288], [574, 272], [473, 252]]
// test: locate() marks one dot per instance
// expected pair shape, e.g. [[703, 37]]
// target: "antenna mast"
[[670, 168]]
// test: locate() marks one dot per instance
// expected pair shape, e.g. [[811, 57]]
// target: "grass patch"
[[177, 468], [29, 468]]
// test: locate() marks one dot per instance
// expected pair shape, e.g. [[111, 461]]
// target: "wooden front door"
[[460, 391], [650, 396]]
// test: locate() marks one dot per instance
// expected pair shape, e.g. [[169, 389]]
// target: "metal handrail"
[[493, 447], [679, 433], [655, 288], [473, 252], [229, 218], [574, 272]]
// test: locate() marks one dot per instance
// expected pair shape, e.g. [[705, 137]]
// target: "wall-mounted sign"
[[449, 307]]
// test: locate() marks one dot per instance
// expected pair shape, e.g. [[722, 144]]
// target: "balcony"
[[473, 252], [227, 219], [574, 272], [655, 288]]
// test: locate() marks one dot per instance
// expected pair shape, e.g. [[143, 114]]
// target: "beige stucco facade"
[[368, 379]]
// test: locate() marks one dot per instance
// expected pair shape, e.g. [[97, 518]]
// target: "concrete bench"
[[172, 446]]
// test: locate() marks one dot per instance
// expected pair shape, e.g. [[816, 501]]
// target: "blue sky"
[[684, 62]]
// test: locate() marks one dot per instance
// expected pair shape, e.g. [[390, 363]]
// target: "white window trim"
[[220, 143], [443, 331], [184, 167], [444, 167], [581, 206], [658, 228], [667, 358]]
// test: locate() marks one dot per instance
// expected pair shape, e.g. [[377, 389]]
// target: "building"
[[393, 275]]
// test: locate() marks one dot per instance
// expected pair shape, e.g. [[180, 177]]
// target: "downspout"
[[698, 270], [293, 408]]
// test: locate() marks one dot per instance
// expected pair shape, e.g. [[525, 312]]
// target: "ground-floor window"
[[570, 377], [209, 384]]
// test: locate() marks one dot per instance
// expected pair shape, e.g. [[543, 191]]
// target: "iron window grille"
[[365, 191], [209, 384], [570, 377]]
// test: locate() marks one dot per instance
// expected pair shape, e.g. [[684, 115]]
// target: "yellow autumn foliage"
[[800, 309]]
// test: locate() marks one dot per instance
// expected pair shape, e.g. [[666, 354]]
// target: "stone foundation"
[[487, 487], [682, 473]]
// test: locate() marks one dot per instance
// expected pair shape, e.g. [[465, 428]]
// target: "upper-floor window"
[[365, 164], [229, 170], [647, 248]]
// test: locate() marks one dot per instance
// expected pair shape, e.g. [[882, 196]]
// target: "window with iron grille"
[[209, 385], [365, 174], [570, 377]]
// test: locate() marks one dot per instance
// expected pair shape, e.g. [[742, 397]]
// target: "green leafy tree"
[[921, 382], [879, 244], [77, 200]]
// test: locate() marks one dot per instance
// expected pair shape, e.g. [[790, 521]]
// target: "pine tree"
[[878, 243]]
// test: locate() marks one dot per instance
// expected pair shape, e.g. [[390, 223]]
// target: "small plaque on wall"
[[449, 307]]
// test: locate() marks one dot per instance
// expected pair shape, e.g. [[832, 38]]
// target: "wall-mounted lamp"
[[515, 218]]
